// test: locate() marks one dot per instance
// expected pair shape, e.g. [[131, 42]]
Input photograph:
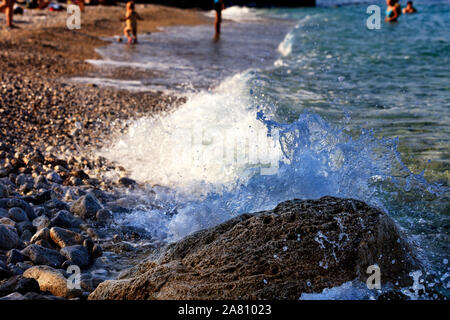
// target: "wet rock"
[[7, 222], [56, 205], [126, 182], [19, 284], [54, 177], [86, 207], [41, 222], [51, 280], [5, 273], [43, 256], [15, 269], [43, 234], [103, 216], [62, 219], [3, 213], [26, 235], [16, 296], [14, 256], [39, 198], [17, 215], [9, 239], [77, 254], [97, 251], [298, 247], [3, 191], [88, 282], [63, 237], [21, 227], [19, 203]]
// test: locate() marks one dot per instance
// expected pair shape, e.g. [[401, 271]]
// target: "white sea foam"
[[238, 14], [211, 139]]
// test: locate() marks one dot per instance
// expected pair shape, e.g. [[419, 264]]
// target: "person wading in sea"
[[409, 8], [393, 11], [218, 7], [7, 8]]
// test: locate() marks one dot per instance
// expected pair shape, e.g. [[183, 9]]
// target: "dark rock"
[[62, 219], [19, 203], [80, 174], [3, 213], [63, 237], [43, 256], [103, 216], [23, 226], [17, 215], [24, 265], [45, 244], [3, 191], [298, 247], [26, 235], [19, 284], [96, 251], [9, 239], [127, 182], [56, 204], [39, 198], [66, 264], [39, 211], [86, 207], [5, 273], [15, 269], [14, 256], [43, 234], [41, 222], [77, 254], [54, 177]]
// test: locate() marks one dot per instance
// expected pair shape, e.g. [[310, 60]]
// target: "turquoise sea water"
[[349, 112]]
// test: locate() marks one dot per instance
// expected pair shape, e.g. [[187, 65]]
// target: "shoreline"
[[32, 58], [48, 128], [39, 111]]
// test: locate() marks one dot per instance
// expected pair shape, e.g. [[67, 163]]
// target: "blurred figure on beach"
[[393, 10], [218, 7], [7, 7], [131, 18], [409, 8]]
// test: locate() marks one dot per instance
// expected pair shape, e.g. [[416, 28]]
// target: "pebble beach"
[[49, 127]]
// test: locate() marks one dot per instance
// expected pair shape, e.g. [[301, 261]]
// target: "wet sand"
[[40, 109]]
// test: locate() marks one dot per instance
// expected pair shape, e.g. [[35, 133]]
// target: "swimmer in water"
[[392, 11], [409, 8]]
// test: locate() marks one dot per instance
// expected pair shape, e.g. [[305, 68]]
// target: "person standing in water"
[[218, 7], [7, 8], [392, 11], [409, 8], [131, 18]]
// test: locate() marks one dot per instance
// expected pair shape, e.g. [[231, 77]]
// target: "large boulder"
[[52, 280], [298, 247]]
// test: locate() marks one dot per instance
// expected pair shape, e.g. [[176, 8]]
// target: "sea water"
[[294, 103]]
